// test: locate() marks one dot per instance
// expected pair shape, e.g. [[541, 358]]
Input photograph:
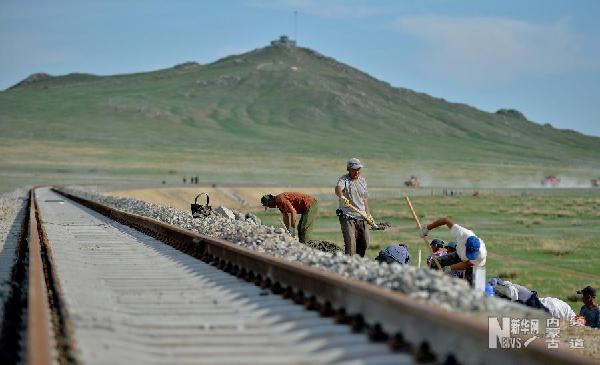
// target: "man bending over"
[[470, 249], [290, 205]]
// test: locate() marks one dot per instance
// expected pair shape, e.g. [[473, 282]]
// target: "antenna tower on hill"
[[295, 25]]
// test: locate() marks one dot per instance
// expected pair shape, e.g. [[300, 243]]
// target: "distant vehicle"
[[596, 182], [551, 180], [413, 182]]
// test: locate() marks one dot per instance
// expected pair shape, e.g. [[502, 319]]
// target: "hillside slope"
[[274, 101]]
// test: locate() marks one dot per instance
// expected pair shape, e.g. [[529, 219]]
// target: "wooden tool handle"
[[412, 210], [362, 214]]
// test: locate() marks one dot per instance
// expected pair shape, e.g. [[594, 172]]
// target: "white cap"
[[354, 164]]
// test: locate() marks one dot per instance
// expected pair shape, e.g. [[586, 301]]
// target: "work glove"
[[292, 231], [370, 220], [345, 201], [424, 232]]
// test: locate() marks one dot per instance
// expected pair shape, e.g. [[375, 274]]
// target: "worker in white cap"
[[351, 189]]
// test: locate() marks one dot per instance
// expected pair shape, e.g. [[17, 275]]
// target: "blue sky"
[[540, 57]]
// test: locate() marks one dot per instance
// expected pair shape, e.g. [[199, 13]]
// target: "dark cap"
[[437, 242], [266, 199], [451, 245], [587, 290]]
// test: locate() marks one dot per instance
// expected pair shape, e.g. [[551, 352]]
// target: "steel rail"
[[450, 337], [48, 332], [39, 326]]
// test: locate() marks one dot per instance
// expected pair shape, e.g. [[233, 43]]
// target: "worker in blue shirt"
[[590, 310]]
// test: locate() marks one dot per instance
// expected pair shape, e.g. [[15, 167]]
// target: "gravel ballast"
[[423, 284], [13, 208]]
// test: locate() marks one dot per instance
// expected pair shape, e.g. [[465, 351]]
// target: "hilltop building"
[[283, 41]]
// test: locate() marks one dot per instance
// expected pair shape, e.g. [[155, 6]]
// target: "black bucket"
[[201, 210]]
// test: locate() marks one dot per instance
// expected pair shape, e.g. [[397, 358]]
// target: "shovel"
[[374, 226]]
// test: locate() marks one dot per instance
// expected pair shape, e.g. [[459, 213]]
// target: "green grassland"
[[546, 242], [272, 115]]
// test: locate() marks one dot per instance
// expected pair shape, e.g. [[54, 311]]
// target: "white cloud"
[[324, 8], [492, 48]]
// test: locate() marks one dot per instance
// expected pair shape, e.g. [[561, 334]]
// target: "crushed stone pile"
[[13, 210]]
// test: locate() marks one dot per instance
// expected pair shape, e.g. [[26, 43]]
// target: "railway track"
[[105, 286]]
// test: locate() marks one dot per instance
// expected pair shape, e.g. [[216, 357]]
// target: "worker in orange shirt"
[[291, 204]]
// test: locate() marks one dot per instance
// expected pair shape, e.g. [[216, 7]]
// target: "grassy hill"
[[272, 115]]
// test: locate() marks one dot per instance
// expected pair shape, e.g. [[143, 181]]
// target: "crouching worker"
[[470, 249], [397, 252], [290, 205], [517, 293], [589, 310], [437, 248]]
